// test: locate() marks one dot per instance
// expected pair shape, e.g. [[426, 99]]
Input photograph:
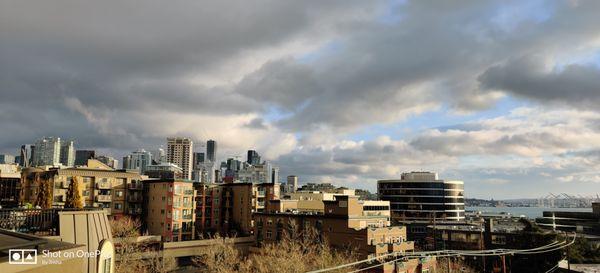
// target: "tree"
[[133, 256], [44, 196], [73, 198], [293, 253]]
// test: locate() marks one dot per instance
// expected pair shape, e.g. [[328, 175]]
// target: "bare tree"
[[298, 253]]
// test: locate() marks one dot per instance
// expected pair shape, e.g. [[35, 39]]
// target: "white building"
[[159, 156], [138, 160]]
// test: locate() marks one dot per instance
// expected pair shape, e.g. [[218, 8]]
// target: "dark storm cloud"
[[578, 85], [95, 70]]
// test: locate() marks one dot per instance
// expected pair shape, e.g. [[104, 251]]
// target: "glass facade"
[[423, 200]]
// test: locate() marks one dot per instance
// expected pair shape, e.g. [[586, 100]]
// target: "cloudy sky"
[[504, 95]]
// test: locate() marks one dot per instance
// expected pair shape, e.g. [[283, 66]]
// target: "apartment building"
[[180, 151], [344, 223], [10, 185], [228, 208], [169, 209], [118, 191]]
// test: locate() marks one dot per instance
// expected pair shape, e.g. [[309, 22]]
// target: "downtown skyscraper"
[[51, 151], [211, 150], [180, 151]]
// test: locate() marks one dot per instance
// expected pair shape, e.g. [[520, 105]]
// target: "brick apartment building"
[[169, 209], [227, 208], [343, 223]]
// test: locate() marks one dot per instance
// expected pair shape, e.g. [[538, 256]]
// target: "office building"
[[26, 155], [82, 156], [422, 196], [253, 157], [158, 156], [262, 173], [117, 191], [47, 152], [292, 183], [211, 151], [198, 159], [138, 160], [10, 185], [7, 159], [67, 153], [108, 161], [180, 152], [169, 209]]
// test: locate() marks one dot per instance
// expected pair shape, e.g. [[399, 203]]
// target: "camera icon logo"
[[22, 256]]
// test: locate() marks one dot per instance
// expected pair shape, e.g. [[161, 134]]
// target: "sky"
[[503, 95]]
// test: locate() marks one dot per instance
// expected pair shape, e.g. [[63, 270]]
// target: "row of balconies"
[[103, 198], [135, 210], [105, 185]]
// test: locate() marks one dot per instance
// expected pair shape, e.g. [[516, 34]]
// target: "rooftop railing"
[[42, 222]]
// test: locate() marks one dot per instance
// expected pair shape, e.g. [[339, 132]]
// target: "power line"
[[454, 253]]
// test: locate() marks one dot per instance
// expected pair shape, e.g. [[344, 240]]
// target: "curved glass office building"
[[422, 196]]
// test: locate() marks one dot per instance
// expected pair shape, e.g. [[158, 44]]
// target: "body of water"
[[530, 212]]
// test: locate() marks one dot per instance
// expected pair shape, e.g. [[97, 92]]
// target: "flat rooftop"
[[15, 240]]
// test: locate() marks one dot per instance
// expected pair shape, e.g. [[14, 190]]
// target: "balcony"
[[135, 186], [401, 247], [135, 211], [134, 198], [103, 198], [103, 185]]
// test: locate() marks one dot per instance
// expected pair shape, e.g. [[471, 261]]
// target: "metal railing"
[[42, 222], [103, 198]]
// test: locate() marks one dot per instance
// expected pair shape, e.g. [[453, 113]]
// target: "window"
[[119, 193], [86, 193], [269, 233], [107, 265], [162, 211], [118, 206]]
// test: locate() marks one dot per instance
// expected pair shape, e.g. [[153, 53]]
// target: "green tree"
[[73, 195], [44, 195]]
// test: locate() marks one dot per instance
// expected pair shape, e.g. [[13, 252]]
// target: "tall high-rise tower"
[[67, 153], [47, 152], [253, 157], [211, 150], [180, 151]]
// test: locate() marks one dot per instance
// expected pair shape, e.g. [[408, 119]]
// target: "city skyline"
[[500, 95]]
